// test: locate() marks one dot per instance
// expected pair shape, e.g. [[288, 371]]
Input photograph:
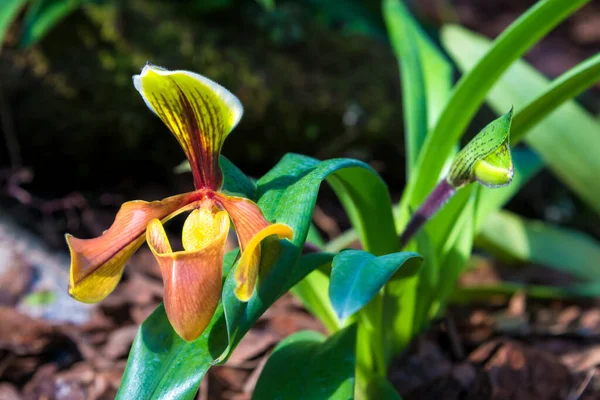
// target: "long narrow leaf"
[[8, 12], [567, 140], [426, 76], [42, 16], [565, 87], [473, 87], [472, 294], [306, 365], [565, 250]]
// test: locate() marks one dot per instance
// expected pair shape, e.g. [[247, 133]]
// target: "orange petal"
[[97, 264], [247, 218], [192, 278], [199, 112], [246, 273]]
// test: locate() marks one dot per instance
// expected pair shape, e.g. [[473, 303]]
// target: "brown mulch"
[[517, 349], [523, 349], [40, 360]]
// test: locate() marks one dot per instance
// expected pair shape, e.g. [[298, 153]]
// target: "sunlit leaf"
[[471, 90], [570, 152], [9, 9], [307, 366], [426, 76], [510, 236], [481, 293], [287, 194], [357, 276], [161, 365]]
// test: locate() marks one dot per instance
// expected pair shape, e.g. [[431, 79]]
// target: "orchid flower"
[[200, 113]]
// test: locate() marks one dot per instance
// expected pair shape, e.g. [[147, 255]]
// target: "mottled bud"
[[486, 158]]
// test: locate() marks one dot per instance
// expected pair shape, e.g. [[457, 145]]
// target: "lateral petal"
[[97, 264], [246, 273], [199, 112], [252, 228], [247, 217], [192, 278]]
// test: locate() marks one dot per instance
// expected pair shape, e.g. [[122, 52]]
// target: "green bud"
[[486, 158]]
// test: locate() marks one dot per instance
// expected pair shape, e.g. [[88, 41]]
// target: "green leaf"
[[268, 5], [455, 254], [9, 9], [471, 90], [567, 86], [471, 294], [570, 153], [380, 388], [161, 365], [357, 276], [426, 76], [42, 15], [235, 180], [314, 236], [358, 16], [287, 194], [306, 366], [448, 246], [312, 291], [510, 236]]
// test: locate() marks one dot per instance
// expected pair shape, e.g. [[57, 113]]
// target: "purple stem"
[[436, 199]]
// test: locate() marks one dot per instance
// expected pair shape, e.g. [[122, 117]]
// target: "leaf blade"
[[307, 366], [162, 365], [9, 9], [426, 76], [358, 276], [471, 90], [570, 153]]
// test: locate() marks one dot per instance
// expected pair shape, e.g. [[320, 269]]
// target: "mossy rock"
[[306, 88]]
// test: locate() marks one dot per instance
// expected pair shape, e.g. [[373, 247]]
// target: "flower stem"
[[436, 199]]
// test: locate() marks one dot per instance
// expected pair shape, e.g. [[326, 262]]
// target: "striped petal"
[[97, 264], [192, 278], [199, 112], [247, 217], [252, 228]]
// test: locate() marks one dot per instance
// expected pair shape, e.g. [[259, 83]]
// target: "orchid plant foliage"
[[373, 301], [201, 114]]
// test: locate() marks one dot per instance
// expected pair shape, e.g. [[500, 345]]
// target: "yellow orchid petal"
[[199, 112], [201, 227], [97, 264], [192, 278], [246, 273]]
